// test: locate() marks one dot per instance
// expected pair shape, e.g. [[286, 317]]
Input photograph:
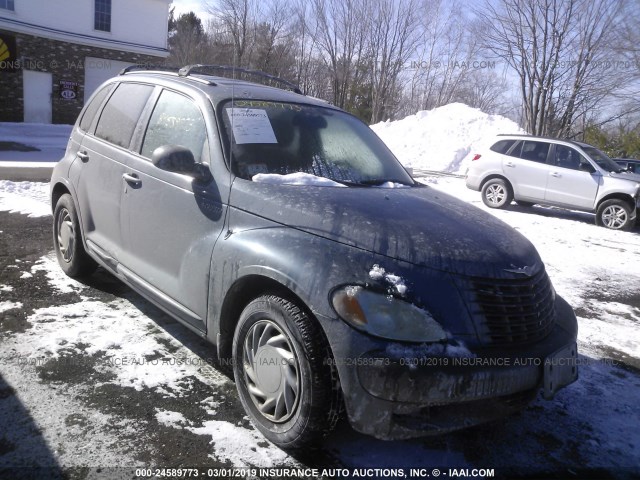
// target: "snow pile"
[[443, 139], [29, 198]]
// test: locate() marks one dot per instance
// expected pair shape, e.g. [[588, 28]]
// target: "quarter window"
[[176, 120], [102, 18], [502, 146], [120, 114], [7, 4], [92, 108]]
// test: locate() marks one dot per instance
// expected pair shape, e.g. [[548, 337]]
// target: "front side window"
[[284, 138], [120, 115], [567, 157], [176, 120], [7, 4], [102, 17]]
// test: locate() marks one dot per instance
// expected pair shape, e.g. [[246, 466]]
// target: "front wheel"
[[67, 240], [284, 374], [614, 214], [496, 193]]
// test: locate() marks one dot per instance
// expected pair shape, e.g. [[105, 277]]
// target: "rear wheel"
[[496, 193], [67, 240], [284, 373], [614, 214]]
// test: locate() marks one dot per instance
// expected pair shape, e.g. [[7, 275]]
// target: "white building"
[[53, 54]]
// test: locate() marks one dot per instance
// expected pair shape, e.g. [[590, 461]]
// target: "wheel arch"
[[239, 295], [57, 191], [628, 199], [494, 176]]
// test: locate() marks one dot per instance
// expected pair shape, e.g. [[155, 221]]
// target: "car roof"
[[536, 137], [220, 88]]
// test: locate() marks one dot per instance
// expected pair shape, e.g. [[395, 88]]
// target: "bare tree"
[[440, 62], [558, 50], [393, 38], [341, 35]]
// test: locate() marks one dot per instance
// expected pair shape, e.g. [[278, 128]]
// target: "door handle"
[[132, 179], [510, 164], [555, 174], [84, 156]]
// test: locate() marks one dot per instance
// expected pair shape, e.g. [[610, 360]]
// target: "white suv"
[[561, 173]]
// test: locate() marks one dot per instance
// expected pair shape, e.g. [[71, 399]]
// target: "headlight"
[[385, 316]]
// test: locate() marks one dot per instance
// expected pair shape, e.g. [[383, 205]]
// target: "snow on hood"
[[444, 138]]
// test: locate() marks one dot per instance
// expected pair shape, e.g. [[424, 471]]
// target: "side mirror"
[[178, 159]]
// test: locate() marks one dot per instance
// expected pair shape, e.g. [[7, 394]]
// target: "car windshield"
[[602, 160], [265, 137]]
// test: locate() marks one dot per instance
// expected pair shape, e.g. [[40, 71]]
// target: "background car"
[[556, 172], [628, 164]]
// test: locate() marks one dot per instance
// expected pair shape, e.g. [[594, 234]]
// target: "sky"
[[186, 6]]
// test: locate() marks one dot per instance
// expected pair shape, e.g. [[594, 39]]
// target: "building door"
[[38, 90]]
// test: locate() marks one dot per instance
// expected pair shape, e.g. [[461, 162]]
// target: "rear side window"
[[92, 108], [176, 120], [535, 151], [120, 114], [502, 146]]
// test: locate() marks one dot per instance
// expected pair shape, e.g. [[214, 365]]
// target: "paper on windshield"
[[251, 125]]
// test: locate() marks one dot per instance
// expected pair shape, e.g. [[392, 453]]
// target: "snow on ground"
[[442, 139], [29, 198]]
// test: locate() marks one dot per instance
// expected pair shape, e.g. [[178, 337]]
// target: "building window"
[[103, 15], [7, 4]]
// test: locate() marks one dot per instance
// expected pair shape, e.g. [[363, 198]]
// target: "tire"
[[67, 240], [614, 214], [525, 204], [284, 374], [496, 193]]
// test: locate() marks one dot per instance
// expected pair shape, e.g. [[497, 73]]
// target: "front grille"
[[512, 311]]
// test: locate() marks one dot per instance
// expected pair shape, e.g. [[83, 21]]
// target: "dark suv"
[[284, 231]]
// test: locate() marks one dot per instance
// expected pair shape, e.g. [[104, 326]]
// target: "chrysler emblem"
[[527, 270]]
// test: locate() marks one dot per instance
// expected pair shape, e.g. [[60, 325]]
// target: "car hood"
[[419, 225], [634, 177]]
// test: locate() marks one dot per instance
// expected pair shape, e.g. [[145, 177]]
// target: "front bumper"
[[396, 393]]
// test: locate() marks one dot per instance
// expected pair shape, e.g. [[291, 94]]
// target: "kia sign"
[[68, 90]]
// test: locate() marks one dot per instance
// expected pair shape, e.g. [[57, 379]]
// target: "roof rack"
[[198, 68], [148, 66]]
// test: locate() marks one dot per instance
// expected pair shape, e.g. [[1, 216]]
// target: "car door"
[[525, 166], [97, 173], [573, 180], [171, 220]]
